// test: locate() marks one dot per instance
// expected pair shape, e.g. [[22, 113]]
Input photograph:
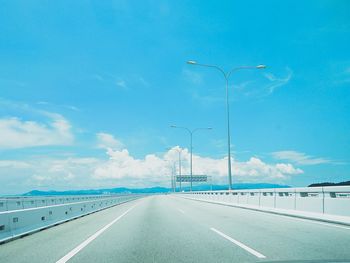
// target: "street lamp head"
[[209, 128], [261, 66], [191, 62]]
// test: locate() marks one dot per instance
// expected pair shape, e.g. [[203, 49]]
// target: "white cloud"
[[143, 82], [192, 76], [47, 173], [98, 77], [122, 169], [121, 84], [126, 170], [243, 85], [71, 107], [14, 164], [246, 89], [249, 171], [64, 172], [106, 141], [299, 158], [277, 82], [342, 77], [46, 103], [16, 133], [155, 170]]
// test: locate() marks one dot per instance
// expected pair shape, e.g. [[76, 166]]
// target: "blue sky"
[[89, 89]]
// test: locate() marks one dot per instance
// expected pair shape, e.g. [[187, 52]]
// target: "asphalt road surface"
[[167, 228]]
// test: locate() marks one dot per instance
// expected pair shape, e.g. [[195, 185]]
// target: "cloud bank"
[[120, 168], [299, 158], [17, 133]]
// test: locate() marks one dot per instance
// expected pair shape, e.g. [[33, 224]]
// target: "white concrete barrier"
[[22, 202], [337, 200], [33, 214], [267, 198], [323, 200], [310, 199], [253, 198], [284, 198]]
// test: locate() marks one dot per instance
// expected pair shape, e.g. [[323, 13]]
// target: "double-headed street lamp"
[[172, 175], [179, 150], [191, 135], [227, 76]]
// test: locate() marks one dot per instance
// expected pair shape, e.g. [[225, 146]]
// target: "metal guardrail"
[[333, 200]]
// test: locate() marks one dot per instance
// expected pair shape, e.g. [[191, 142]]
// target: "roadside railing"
[[27, 215], [24, 202], [332, 200]]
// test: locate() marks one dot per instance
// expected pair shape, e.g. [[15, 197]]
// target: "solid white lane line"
[[248, 249], [311, 221], [181, 211], [91, 238]]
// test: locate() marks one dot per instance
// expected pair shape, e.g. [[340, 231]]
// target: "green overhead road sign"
[[195, 178]]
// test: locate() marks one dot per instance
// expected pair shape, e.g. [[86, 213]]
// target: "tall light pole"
[[173, 177], [172, 181], [227, 76], [179, 150], [191, 136]]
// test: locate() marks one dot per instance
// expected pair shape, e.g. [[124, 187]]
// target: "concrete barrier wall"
[[310, 200], [32, 217], [22, 202], [284, 199], [267, 198], [337, 199], [325, 200]]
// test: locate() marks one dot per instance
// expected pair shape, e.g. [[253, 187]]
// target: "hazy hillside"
[[123, 190]]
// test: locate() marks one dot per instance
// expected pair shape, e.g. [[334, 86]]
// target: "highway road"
[[167, 228]]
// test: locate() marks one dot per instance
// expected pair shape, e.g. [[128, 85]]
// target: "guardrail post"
[[323, 196]]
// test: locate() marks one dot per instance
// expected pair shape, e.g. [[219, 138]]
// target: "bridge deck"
[[172, 229]]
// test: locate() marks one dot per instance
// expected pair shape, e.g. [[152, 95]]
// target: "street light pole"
[[227, 76], [174, 174], [180, 168], [191, 148], [179, 150], [191, 173], [172, 177], [229, 167]]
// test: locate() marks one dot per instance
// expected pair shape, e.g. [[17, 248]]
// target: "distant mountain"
[[158, 189], [329, 184], [119, 190]]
